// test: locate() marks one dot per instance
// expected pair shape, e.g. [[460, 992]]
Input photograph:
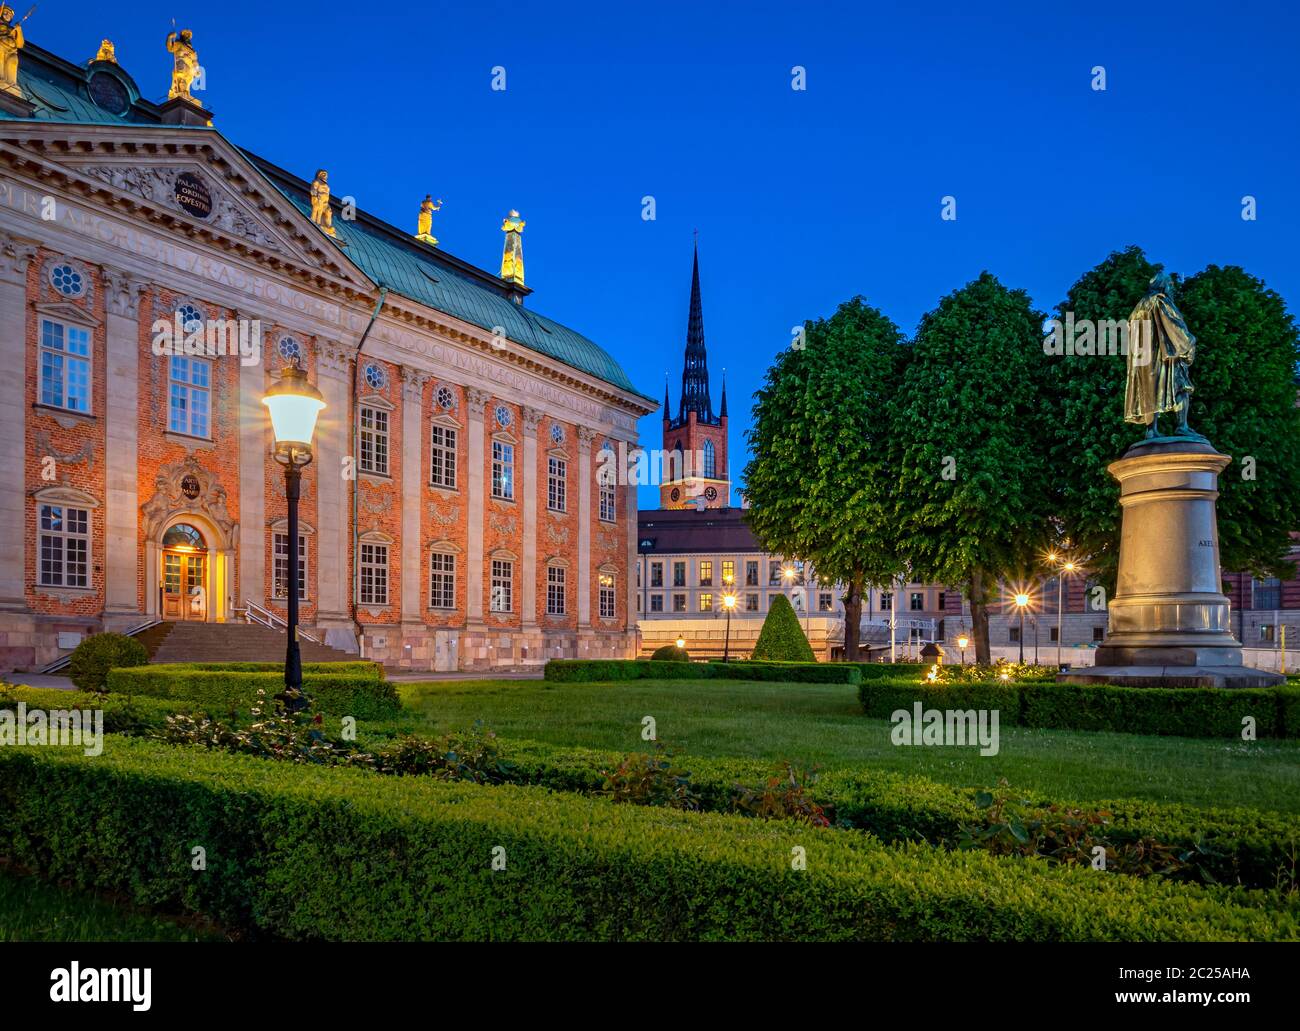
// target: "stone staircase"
[[229, 642]]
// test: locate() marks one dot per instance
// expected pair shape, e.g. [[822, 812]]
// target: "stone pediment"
[[187, 488], [183, 177]]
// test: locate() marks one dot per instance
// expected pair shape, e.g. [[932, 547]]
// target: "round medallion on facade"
[[711, 493], [192, 194], [67, 281], [676, 494], [190, 486], [503, 416], [557, 433], [376, 378], [446, 398], [191, 318], [290, 349]]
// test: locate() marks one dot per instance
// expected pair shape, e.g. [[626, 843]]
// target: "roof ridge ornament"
[[512, 255], [12, 41], [424, 224]]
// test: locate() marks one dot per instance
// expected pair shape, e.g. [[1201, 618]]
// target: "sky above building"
[[801, 198]]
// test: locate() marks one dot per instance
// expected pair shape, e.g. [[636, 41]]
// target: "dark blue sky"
[[801, 199]]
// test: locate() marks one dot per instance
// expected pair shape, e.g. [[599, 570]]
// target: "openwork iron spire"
[[695, 373]]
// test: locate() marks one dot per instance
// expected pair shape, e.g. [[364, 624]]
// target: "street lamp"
[[1022, 602], [1066, 567], [294, 405], [963, 642], [728, 603], [681, 642]]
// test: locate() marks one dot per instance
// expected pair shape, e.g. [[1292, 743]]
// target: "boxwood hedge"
[[593, 670], [1178, 712], [316, 853], [221, 690]]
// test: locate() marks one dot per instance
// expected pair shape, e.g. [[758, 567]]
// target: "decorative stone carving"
[[334, 358], [478, 400], [585, 437], [176, 494], [502, 524], [122, 291], [45, 448], [532, 419], [413, 382], [159, 186], [557, 534], [16, 254], [378, 505], [449, 519]]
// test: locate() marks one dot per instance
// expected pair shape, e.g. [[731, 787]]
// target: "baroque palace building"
[[451, 517]]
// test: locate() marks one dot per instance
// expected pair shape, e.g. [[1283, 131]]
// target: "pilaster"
[[585, 437], [121, 451], [16, 255], [477, 404], [530, 486]]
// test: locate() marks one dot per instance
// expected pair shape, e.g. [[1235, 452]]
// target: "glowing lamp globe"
[[963, 642], [294, 405], [681, 642], [1022, 600]]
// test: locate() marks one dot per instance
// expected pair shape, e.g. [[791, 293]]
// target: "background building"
[[451, 517]]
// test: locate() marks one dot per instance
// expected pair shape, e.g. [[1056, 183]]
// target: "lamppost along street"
[[1066, 567], [963, 642], [1022, 602], [728, 603], [294, 405]]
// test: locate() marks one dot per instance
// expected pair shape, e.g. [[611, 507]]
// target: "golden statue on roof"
[[185, 64], [320, 203], [512, 257], [424, 224], [107, 52], [11, 41]]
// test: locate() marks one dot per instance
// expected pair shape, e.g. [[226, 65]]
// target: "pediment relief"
[[186, 487], [66, 312], [64, 494]]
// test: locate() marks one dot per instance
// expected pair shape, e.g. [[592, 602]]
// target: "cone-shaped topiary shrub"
[[782, 638], [671, 653]]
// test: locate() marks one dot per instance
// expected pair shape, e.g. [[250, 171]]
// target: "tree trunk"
[[979, 617], [852, 620]]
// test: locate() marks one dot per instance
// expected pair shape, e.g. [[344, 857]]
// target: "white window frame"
[[442, 456], [503, 470], [191, 390], [280, 565], [65, 539], [67, 360], [607, 595], [501, 595], [372, 581], [608, 504], [442, 580], [557, 474], [557, 590], [374, 440]]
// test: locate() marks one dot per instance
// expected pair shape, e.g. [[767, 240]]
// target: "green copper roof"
[[61, 92]]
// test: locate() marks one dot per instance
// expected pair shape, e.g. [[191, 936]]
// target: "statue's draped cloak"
[[1159, 355]]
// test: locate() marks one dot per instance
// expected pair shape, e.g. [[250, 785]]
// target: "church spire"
[[695, 373], [667, 410], [722, 408]]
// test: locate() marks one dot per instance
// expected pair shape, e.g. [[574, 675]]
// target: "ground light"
[[294, 405]]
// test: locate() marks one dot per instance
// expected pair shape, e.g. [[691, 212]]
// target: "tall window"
[[918, 602], [825, 602], [65, 366], [774, 572], [1266, 594], [608, 504], [751, 602], [555, 590], [64, 546], [728, 571], [374, 574], [886, 601], [751, 574], [442, 471], [503, 579], [710, 461], [374, 440], [706, 603], [607, 602], [503, 470], [280, 565], [679, 603], [189, 396], [656, 603], [656, 574], [679, 574], [706, 573], [556, 470], [943, 601], [442, 580]]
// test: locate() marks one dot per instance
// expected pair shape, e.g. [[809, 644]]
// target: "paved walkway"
[[38, 680], [405, 676]]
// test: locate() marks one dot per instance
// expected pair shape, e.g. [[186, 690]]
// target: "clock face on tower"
[[676, 494], [711, 493]]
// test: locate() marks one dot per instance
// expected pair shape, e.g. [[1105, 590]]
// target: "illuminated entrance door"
[[184, 574]]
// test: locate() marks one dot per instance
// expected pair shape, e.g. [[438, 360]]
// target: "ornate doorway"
[[184, 574]]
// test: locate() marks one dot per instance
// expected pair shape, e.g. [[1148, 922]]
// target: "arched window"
[[710, 461]]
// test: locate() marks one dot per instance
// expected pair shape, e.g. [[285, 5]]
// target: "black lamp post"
[[294, 405], [1022, 603], [728, 603]]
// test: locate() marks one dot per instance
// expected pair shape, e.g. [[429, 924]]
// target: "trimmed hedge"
[[221, 691], [1176, 712], [594, 670], [305, 852], [369, 669], [90, 661], [782, 638], [121, 714]]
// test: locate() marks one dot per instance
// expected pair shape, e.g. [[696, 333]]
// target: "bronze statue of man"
[[1160, 354]]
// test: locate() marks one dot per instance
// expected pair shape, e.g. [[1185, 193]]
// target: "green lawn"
[[33, 910], [824, 724]]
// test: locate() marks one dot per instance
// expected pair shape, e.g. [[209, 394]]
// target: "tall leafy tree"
[[973, 481], [820, 480], [1244, 402], [1087, 430], [1247, 348]]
